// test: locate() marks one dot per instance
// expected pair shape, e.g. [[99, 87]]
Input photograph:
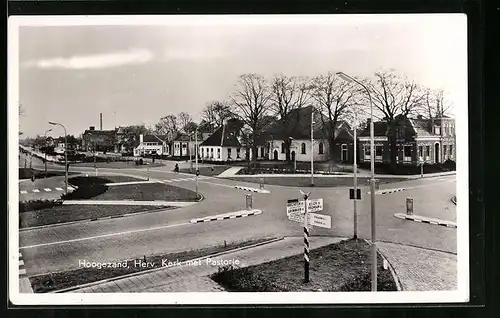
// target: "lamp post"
[[65, 155], [46, 145], [196, 157], [312, 147], [372, 180], [190, 155]]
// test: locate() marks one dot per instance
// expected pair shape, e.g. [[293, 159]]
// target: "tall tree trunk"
[[288, 151], [254, 152], [393, 151]]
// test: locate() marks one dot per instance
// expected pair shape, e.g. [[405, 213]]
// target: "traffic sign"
[[320, 220], [314, 205], [358, 194], [313, 219]]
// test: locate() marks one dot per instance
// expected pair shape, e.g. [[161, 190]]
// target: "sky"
[[136, 70]]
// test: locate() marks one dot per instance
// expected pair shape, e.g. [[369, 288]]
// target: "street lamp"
[[350, 79], [46, 145], [65, 155], [312, 147]]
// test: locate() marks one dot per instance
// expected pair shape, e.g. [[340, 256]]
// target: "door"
[[436, 153], [293, 155], [275, 155]]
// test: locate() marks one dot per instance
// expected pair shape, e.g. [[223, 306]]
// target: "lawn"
[[94, 188], [61, 280], [344, 266], [147, 192], [26, 173], [319, 181], [207, 171], [69, 213], [117, 165]]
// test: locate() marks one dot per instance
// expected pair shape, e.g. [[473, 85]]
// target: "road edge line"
[[269, 241], [427, 220]]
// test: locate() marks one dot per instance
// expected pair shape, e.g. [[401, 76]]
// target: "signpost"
[[303, 212], [409, 206], [355, 197], [421, 163]]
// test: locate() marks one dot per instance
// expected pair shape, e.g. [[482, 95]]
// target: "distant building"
[[99, 140], [417, 139], [151, 145], [224, 144]]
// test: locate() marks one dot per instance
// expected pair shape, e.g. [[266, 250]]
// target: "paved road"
[[57, 248]]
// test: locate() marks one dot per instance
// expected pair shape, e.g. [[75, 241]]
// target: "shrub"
[[33, 205], [450, 165]]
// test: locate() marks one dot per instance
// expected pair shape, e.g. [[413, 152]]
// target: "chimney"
[[91, 128], [141, 138], [100, 121]]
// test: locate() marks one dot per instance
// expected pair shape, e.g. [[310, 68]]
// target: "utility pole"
[[355, 178], [312, 147]]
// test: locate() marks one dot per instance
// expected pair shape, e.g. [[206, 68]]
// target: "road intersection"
[[59, 248]]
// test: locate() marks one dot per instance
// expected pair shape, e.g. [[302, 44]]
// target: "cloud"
[[96, 61], [195, 52]]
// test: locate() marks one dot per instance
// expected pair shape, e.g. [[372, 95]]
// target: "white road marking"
[[47, 190], [106, 235], [219, 184], [24, 191], [21, 262], [36, 190], [59, 189], [22, 271]]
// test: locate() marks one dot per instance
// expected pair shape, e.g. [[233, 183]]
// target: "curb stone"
[[220, 218], [393, 271], [423, 219], [271, 240]]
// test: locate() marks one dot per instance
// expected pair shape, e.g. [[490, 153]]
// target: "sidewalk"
[[417, 269], [343, 175], [193, 277], [421, 269]]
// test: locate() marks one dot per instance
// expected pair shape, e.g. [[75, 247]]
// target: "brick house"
[[99, 140], [418, 139]]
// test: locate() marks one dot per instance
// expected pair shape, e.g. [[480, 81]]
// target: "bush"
[[243, 279], [33, 205], [450, 165]]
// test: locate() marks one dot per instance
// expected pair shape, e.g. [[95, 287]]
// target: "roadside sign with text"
[[314, 219], [320, 220], [314, 205]]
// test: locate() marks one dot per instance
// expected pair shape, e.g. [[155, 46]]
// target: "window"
[[303, 148], [282, 147], [378, 152], [437, 130], [420, 151], [211, 152], [238, 152], [366, 151], [218, 153], [183, 145], [262, 152], [321, 150], [228, 153], [444, 151], [203, 152], [343, 152], [407, 153], [451, 151], [427, 152]]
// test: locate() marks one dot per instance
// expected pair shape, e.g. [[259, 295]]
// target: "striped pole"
[[306, 244]]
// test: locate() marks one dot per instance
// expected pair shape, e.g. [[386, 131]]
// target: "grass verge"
[[61, 280], [118, 165], [319, 181], [69, 213], [206, 171], [344, 266], [147, 192]]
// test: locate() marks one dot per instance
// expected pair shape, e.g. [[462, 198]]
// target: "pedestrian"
[[176, 169]]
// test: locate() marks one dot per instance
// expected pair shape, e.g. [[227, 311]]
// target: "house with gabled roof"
[[150, 145], [417, 139], [299, 131], [224, 144]]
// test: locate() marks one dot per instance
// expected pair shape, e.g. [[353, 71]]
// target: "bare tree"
[[184, 120], [167, 125], [395, 97], [216, 112], [334, 97], [287, 94], [252, 103], [435, 105]]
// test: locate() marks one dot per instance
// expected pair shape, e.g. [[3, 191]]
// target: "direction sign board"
[[314, 219], [314, 205], [320, 220]]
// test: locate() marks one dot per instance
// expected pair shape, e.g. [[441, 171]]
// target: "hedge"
[[33, 205]]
